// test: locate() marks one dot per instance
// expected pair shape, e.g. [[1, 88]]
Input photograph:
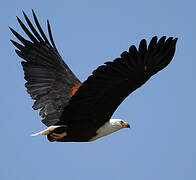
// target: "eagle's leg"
[[57, 133], [56, 136], [54, 132]]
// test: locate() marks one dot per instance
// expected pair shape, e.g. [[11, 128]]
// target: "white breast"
[[109, 127]]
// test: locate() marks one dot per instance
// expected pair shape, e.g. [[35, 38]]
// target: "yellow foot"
[[56, 136]]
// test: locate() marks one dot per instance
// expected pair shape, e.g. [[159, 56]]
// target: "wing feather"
[[61, 96], [49, 79], [110, 84]]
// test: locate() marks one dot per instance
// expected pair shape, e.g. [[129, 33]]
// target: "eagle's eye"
[[121, 122]]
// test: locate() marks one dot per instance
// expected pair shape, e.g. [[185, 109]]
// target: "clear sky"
[[161, 143]]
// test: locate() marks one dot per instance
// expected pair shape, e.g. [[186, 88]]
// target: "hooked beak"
[[128, 126]]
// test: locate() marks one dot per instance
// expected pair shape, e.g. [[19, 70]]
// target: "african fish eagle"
[[81, 112]]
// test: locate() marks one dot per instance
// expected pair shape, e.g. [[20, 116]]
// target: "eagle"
[[81, 112]]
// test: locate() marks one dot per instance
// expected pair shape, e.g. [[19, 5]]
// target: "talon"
[[56, 136]]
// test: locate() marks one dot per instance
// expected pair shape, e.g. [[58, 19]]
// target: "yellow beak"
[[125, 125]]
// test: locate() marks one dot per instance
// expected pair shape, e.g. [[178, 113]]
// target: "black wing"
[[103, 91], [49, 80]]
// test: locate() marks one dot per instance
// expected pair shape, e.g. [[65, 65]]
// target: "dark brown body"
[[84, 107]]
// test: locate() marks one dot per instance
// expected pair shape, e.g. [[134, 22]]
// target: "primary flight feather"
[[76, 111]]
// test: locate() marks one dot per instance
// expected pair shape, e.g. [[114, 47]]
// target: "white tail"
[[46, 131]]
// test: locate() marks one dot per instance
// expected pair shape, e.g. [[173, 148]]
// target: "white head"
[[110, 127], [119, 124]]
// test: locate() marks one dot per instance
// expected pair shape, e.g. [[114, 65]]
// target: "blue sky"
[[160, 144]]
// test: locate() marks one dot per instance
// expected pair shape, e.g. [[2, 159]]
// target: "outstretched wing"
[[110, 84], [49, 80]]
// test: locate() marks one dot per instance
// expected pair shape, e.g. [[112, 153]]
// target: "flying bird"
[[80, 112]]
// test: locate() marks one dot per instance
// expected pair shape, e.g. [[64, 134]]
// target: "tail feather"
[[46, 131]]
